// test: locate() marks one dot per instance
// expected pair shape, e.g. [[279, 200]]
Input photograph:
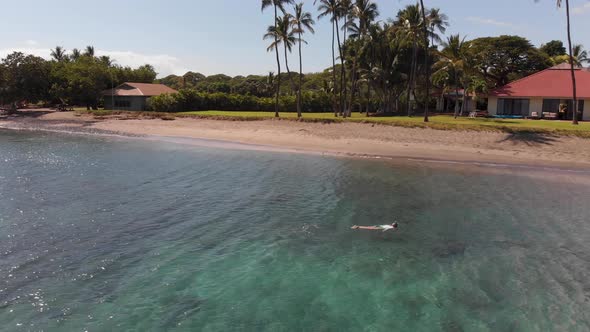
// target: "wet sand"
[[348, 139]]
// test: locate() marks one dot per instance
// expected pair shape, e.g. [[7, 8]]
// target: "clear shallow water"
[[103, 234]]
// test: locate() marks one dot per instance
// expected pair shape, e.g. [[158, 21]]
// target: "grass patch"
[[439, 122]]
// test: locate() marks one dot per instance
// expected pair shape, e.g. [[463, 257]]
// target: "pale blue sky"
[[225, 36]]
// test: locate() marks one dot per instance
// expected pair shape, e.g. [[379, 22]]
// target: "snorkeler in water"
[[383, 228]]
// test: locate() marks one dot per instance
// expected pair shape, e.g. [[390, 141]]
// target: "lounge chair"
[[534, 116], [550, 116]]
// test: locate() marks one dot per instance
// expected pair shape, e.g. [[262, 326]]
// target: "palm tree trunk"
[[368, 98], [569, 41], [278, 90], [341, 69], [343, 74], [334, 70], [456, 99], [426, 66], [464, 103], [288, 70], [411, 79], [353, 78], [299, 101]]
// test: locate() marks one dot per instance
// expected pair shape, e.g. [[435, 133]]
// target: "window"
[[122, 103], [551, 105], [513, 106], [555, 105]]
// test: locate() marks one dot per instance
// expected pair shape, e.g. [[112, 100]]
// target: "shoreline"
[[354, 140]]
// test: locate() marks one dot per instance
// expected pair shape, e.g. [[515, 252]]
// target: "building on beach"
[[133, 96], [445, 102], [546, 94]]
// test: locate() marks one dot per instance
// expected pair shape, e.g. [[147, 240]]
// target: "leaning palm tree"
[[301, 21], [331, 8], [59, 53], [276, 4]]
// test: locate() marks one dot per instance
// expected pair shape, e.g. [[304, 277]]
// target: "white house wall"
[[492, 105]]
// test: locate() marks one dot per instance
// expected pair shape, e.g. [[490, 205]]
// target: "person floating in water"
[[383, 228]]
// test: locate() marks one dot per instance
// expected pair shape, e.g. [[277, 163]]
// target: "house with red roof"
[[547, 93], [133, 96]]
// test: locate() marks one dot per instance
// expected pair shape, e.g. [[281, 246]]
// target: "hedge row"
[[191, 100]]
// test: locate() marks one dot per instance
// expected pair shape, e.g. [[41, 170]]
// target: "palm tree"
[[409, 28], [366, 12], [452, 65], [331, 8], [571, 55], [572, 65], [426, 65], [89, 51], [345, 13], [301, 22], [76, 54], [437, 21], [281, 33], [276, 4], [59, 54], [580, 55]]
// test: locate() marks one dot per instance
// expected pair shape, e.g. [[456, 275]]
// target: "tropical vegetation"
[[75, 78], [399, 65]]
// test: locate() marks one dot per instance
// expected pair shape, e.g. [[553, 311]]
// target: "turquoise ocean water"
[[110, 234]]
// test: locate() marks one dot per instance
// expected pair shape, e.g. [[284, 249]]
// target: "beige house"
[[546, 94], [133, 96]]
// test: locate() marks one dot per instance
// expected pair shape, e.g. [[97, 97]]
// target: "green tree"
[[302, 22], [506, 58], [553, 48], [26, 78], [276, 4]]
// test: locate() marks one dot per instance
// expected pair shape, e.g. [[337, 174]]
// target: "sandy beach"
[[349, 139]]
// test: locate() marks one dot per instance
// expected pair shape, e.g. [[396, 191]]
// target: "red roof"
[[139, 89], [555, 82]]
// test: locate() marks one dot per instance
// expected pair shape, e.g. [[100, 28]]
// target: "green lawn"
[[441, 122], [444, 122]]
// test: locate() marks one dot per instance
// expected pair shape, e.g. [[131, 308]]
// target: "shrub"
[[191, 100]]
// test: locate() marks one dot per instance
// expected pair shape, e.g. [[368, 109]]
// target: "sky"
[[225, 36]]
